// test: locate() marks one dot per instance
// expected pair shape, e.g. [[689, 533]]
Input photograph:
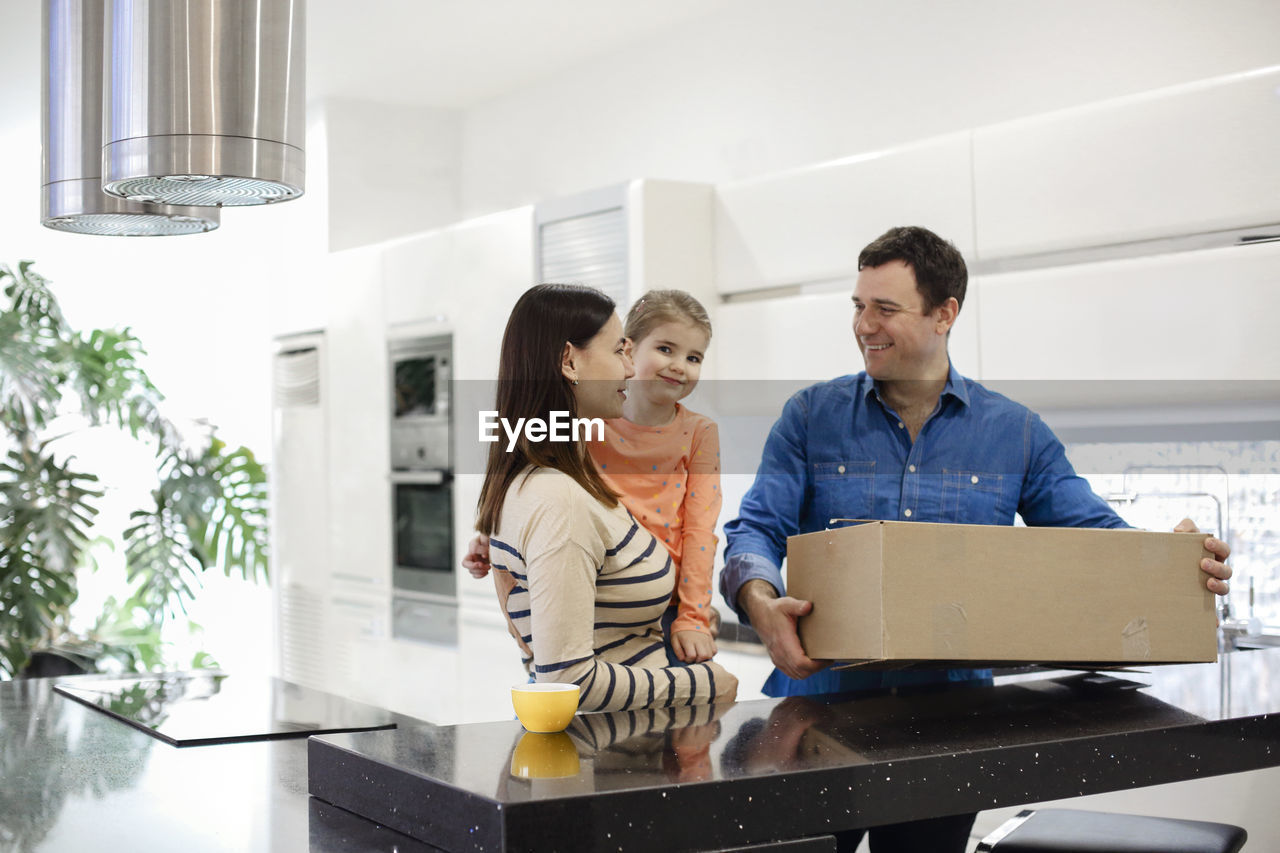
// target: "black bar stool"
[[1072, 831]]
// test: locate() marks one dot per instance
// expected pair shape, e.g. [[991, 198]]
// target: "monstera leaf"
[[208, 508], [31, 333], [112, 386], [45, 514]]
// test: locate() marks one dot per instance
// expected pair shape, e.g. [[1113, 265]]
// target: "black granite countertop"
[[74, 778], [710, 778]]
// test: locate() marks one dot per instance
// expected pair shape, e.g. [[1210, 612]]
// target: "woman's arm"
[[562, 554], [503, 583]]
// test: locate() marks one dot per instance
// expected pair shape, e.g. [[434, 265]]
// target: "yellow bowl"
[[543, 755], [545, 707]]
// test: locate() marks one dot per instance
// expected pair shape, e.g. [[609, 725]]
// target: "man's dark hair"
[[937, 264]]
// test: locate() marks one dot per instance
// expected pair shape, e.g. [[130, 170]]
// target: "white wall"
[[759, 87], [392, 170], [201, 304], [765, 86]]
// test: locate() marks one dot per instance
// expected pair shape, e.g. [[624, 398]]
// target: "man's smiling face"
[[899, 338]]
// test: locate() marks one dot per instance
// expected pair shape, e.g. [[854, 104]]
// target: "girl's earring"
[[575, 382]]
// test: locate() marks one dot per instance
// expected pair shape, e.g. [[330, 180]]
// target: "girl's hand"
[[692, 646], [476, 560]]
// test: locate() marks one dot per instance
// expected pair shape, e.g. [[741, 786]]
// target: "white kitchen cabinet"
[[808, 225], [358, 423], [631, 238], [328, 514], [1206, 315], [299, 489], [461, 279], [1194, 159], [670, 235], [810, 337]]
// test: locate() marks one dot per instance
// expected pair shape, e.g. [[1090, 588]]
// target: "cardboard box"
[[890, 594]]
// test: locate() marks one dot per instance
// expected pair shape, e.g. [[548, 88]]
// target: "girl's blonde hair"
[[665, 306]]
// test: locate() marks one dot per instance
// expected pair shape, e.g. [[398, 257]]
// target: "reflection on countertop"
[[208, 706], [75, 778], [467, 678], [820, 763]]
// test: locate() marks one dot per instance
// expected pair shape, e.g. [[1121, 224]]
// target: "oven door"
[[422, 515]]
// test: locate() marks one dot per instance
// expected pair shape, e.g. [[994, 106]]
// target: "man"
[[909, 439]]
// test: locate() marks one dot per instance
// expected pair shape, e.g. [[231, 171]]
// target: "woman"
[[586, 584]]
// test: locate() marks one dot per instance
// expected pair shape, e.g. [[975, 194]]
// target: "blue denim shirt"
[[840, 451]]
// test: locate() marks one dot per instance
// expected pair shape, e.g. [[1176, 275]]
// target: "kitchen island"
[[767, 771], [74, 778]]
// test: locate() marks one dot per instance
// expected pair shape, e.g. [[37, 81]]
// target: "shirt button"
[[901, 424], [974, 479], [907, 513], [911, 468], [840, 470]]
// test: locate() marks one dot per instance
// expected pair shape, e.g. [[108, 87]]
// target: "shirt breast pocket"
[[974, 497], [844, 489]]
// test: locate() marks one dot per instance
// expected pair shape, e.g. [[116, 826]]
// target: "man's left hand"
[[1218, 570]]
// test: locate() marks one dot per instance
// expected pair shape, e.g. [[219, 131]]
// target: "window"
[[1231, 488]]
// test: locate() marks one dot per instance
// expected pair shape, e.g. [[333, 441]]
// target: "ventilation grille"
[[303, 636], [202, 190], [296, 378], [130, 224], [589, 249]]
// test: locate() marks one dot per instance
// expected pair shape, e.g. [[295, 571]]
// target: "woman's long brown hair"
[[530, 385]]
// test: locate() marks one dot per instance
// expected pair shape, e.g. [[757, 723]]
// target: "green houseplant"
[[208, 507]]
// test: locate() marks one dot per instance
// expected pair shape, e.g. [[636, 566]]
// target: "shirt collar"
[[956, 386]]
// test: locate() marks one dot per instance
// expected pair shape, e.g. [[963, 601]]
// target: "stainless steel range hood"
[[205, 101], [71, 189]]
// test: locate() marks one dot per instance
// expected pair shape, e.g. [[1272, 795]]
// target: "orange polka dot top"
[[669, 478]]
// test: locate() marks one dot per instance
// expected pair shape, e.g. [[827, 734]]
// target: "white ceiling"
[[453, 53], [445, 53]]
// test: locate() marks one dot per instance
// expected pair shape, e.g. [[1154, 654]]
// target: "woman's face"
[[601, 369]]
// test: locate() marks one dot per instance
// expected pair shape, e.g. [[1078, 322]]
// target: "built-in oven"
[[421, 475], [422, 509], [420, 403]]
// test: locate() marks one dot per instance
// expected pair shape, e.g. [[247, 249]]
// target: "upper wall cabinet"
[[1203, 315], [629, 238], [810, 337], [1162, 166], [809, 225], [461, 280]]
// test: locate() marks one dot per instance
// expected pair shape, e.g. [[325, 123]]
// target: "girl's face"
[[601, 369], [669, 361]]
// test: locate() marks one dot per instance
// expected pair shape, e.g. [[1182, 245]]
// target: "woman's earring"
[[575, 382]]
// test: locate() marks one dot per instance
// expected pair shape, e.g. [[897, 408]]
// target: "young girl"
[[664, 460], [583, 585]]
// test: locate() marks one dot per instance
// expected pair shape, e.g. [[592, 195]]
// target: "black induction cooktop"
[[211, 707]]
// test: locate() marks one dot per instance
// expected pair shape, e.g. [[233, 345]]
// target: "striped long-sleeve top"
[[591, 585]]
